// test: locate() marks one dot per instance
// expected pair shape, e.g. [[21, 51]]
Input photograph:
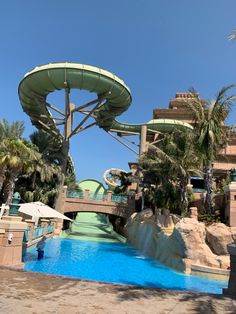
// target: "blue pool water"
[[113, 262]]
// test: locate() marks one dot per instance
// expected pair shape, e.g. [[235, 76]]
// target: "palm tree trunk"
[[2, 176], [183, 194], [64, 151], [157, 212], [34, 180], [208, 184], [9, 187]]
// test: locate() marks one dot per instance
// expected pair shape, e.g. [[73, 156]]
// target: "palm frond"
[[232, 36], [221, 94]]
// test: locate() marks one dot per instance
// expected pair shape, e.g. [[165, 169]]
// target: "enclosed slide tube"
[[112, 177], [42, 80]]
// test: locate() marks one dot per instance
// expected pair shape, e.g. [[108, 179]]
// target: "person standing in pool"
[[40, 247]]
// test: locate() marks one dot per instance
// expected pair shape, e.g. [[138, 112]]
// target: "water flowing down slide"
[[45, 79]]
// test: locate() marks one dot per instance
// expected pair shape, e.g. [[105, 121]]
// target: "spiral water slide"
[[45, 79], [112, 177]]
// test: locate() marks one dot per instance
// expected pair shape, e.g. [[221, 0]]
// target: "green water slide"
[[45, 79], [92, 227], [116, 99]]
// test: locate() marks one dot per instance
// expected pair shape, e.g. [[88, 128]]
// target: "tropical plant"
[[15, 157], [125, 179], [51, 150], [52, 153], [47, 145], [7, 131], [169, 166], [11, 130], [211, 134], [232, 36]]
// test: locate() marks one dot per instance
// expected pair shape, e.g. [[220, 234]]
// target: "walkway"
[[27, 293]]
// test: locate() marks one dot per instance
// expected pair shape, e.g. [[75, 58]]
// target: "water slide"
[[92, 227], [45, 79]]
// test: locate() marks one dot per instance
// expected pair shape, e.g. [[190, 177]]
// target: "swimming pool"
[[115, 263]]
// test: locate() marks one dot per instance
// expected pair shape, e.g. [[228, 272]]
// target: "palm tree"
[[52, 152], [181, 147], [7, 131], [47, 145], [11, 130], [211, 134], [18, 155], [233, 35], [173, 162]]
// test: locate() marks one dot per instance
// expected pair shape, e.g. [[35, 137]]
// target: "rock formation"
[[190, 242]]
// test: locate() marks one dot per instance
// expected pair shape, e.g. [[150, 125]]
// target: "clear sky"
[[158, 47]]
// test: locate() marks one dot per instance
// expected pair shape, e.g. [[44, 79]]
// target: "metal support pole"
[[142, 203], [132, 150], [87, 116], [143, 140], [65, 144]]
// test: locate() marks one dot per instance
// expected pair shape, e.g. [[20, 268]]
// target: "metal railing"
[[198, 190], [76, 194], [26, 235], [38, 232], [50, 229], [98, 196], [119, 198]]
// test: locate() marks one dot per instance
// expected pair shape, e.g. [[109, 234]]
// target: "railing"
[[97, 196], [197, 190], [38, 232], [72, 194], [50, 229], [119, 198], [26, 235]]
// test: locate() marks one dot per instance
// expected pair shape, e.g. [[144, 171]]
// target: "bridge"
[[86, 201]]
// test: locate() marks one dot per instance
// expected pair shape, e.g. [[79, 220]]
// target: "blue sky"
[[158, 47]]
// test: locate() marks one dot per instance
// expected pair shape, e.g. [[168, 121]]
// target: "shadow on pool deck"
[[25, 292]]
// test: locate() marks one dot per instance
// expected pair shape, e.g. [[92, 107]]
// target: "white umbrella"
[[38, 209]]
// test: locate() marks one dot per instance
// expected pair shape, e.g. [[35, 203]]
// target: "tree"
[[211, 134], [7, 131], [180, 145], [17, 156], [233, 35], [11, 130], [168, 168], [51, 150]]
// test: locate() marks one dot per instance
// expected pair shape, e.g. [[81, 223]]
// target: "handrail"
[[116, 198], [38, 232], [73, 194]]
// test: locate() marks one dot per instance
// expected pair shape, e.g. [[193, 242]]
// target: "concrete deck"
[[30, 293]]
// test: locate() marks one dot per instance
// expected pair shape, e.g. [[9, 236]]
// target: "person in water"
[[40, 247]]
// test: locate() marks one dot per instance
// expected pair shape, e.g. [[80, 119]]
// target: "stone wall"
[[11, 236]]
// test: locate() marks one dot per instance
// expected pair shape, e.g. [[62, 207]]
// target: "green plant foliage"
[[167, 168]]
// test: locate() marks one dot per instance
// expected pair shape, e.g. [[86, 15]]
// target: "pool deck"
[[25, 292]]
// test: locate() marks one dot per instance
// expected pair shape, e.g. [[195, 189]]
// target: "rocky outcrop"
[[233, 232], [190, 242], [191, 236], [218, 236]]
